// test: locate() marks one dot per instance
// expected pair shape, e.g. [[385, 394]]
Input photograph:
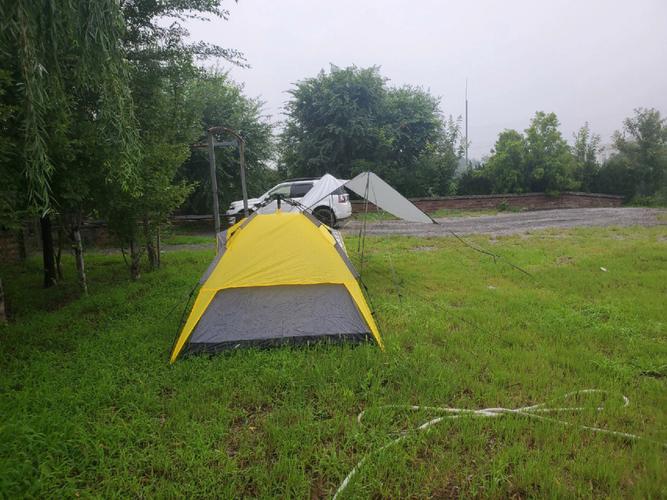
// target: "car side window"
[[281, 189], [300, 190]]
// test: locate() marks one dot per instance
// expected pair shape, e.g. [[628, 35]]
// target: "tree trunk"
[[20, 239], [150, 249], [135, 258], [77, 246], [59, 253], [3, 311], [50, 277], [158, 245]]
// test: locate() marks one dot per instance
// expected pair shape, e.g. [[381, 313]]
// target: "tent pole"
[[362, 233]]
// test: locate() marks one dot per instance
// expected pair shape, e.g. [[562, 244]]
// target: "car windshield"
[[281, 189]]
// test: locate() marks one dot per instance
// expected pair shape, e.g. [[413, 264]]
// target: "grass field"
[[90, 406]]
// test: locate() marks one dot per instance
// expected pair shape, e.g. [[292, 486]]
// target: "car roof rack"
[[296, 179]]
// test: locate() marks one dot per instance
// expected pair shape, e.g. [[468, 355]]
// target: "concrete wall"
[[527, 201]]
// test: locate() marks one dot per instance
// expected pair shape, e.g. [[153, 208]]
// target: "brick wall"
[[527, 201], [95, 233], [9, 247]]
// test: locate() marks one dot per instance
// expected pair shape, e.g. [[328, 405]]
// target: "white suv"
[[329, 210]]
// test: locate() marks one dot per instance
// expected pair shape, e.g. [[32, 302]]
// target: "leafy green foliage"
[[475, 179], [56, 55], [639, 165], [549, 163], [585, 151], [220, 101], [91, 407], [349, 120], [507, 168], [537, 161], [148, 38], [10, 177], [162, 75]]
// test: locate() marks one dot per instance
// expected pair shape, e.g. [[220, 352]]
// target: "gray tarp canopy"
[[379, 193]]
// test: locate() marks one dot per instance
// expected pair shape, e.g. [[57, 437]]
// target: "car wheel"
[[325, 215]]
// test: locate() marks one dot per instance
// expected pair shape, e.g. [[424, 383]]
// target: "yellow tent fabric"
[[282, 248]]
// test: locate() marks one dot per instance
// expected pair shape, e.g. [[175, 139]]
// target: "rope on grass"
[[495, 256], [535, 411]]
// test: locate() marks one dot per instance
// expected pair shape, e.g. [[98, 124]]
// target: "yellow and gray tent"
[[277, 278]]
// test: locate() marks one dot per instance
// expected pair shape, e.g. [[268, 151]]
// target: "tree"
[[615, 176], [642, 146], [59, 57], [10, 176], [539, 160], [507, 167], [419, 152], [585, 151], [163, 73], [334, 120], [474, 180], [548, 159], [168, 127], [66, 104], [348, 120]]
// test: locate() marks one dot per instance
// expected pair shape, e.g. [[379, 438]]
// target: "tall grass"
[[91, 407]]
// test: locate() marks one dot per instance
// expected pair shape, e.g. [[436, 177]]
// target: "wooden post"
[[20, 238], [59, 252], [135, 260], [78, 257], [158, 245], [150, 249], [48, 256], [214, 181], [3, 311]]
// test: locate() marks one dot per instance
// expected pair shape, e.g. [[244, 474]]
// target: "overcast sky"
[[586, 60]]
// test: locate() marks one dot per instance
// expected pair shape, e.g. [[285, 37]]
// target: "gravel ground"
[[522, 222]]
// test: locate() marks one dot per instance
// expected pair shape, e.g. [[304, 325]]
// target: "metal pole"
[[214, 181], [243, 186]]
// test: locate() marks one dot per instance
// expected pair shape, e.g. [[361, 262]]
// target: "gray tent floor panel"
[[213, 348], [277, 314]]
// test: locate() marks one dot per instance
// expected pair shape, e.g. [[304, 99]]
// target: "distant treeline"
[[540, 160], [348, 120]]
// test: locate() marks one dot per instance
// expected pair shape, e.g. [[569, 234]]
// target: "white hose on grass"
[[534, 411]]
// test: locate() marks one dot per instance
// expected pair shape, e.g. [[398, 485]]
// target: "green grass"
[[189, 239], [90, 406], [457, 212], [373, 216], [184, 235]]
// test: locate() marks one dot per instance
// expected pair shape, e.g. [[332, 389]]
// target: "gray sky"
[[586, 60]]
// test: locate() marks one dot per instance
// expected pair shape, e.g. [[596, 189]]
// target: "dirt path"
[[512, 223]]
